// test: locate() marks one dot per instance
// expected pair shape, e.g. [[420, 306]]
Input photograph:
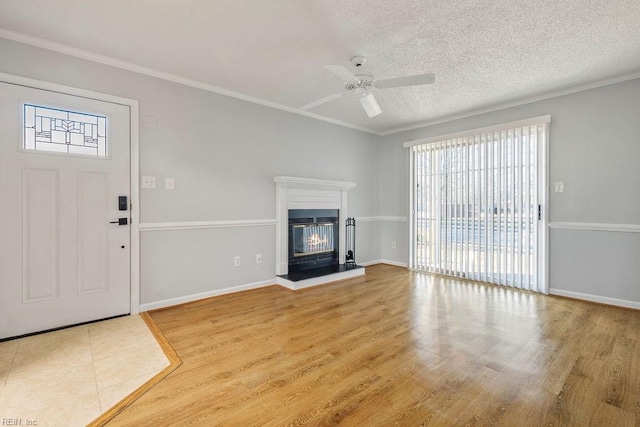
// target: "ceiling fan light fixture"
[[370, 105], [362, 84]]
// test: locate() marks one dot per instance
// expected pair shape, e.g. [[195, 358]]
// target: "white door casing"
[[61, 262]]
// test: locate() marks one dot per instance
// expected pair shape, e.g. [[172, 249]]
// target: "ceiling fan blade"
[[370, 105], [418, 79], [343, 73], [321, 101]]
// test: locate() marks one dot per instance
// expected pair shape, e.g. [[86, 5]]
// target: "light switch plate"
[[148, 182], [169, 183], [559, 187]]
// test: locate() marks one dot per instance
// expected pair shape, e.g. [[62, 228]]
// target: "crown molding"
[[517, 103], [106, 60], [129, 66]]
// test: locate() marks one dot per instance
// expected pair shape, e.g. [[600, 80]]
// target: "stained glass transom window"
[[62, 131]]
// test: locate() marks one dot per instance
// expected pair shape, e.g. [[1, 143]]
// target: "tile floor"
[[71, 376]]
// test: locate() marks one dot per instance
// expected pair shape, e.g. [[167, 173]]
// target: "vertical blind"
[[476, 205]]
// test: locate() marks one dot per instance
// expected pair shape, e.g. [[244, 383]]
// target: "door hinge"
[[539, 212]]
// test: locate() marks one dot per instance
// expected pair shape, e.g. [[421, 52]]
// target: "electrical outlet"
[[148, 182], [169, 183], [237, 261], [394, 245], [258, 258]]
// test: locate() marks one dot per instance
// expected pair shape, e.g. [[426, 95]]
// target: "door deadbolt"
[[122, 203]]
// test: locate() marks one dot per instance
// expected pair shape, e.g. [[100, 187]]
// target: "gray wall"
[[594, 148], [223, 154]]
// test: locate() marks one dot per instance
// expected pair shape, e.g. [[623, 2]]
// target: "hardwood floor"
[[396, 347]]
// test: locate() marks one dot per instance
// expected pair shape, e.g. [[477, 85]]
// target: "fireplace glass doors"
[[313, 238], [310, 239]]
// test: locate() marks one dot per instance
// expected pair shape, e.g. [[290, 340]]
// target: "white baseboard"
[[595, 298], [396, 263], [203, 295], [383, 261], [368, 263], [299, 285]]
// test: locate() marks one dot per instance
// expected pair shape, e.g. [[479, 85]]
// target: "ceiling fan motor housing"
[[366, 82]]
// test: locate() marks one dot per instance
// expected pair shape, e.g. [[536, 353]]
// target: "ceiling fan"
[[362, 84]]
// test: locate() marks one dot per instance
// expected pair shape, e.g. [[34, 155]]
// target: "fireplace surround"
[[293, 194]]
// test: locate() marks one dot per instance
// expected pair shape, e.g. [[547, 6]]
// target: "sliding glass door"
[[478, 205]]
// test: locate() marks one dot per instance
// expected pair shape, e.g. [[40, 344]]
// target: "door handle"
[[120, 221]]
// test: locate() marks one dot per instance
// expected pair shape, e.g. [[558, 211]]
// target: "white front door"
[[64, 162]]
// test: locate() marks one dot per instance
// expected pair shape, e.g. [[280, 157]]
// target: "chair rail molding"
[[382, 218], [596, 226], [199, 225]]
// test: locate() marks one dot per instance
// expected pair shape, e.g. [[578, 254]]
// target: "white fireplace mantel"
[[307, 193]]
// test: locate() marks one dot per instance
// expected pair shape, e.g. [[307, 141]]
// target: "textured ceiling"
[[484, 53]]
